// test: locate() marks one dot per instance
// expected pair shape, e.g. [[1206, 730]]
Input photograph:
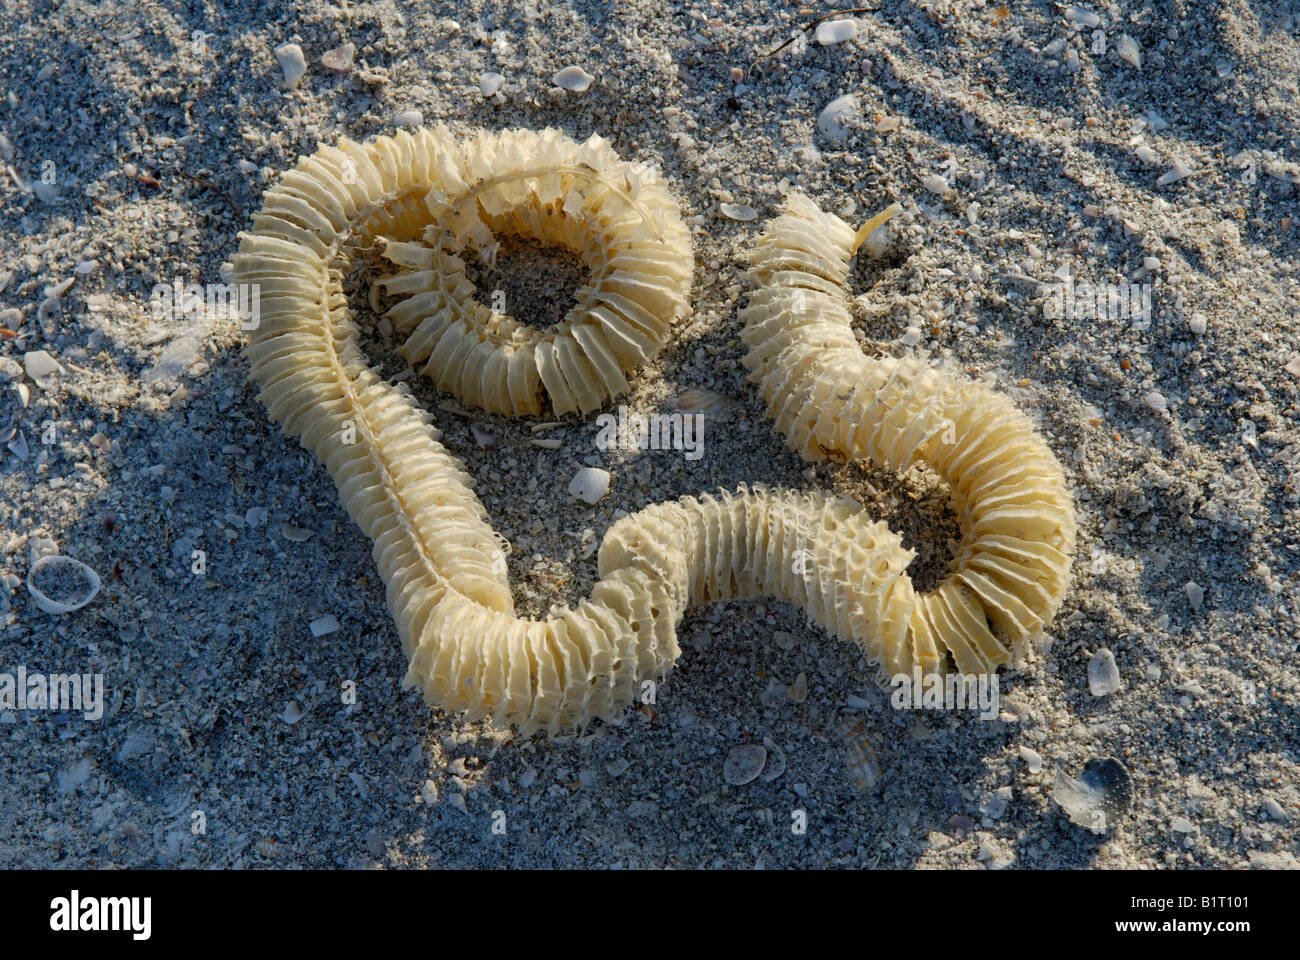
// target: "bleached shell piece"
[[618, 219], [829, 400], [55, 606]]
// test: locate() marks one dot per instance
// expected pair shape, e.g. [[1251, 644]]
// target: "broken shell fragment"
[[743, 764], [70, 584], [589, 484], [1100, 798], [574, 79]]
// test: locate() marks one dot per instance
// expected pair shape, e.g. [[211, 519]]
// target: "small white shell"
[[1128, 50], [490, 83], [1033, 759], [292, 63], [775, 760], [836, 31], [40, 364], [589, 484], [49, 604], [935, 183], [744, 764], [1103, 674], [574, 79], [738, 211], [1181, 170], [831, 122], [324, 625], [340, 58]]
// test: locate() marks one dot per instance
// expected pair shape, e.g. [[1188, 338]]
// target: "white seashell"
[[832, 121], [323, 626], [1033, 759], [836, 31], [24, 393], [340, 58], [62, 566], [1083, 17], [1156, 401], [1198, 323], [590, 484], [1128, 50], [863, 761], [744, 764], [935, 184], [292, 712], [775, 761], [490, 83], [1195, 595], [18, 445], [1103, 674], [798, 691], [1100, 798], [1292, 366], [485, 440], [296, 534], [911, 337], [546, 443], [57, 290], [40, 364], [408, 118], [1181, 170], [574, 79], [738, 211], [1146, 154], [292, 63], [429, 792]]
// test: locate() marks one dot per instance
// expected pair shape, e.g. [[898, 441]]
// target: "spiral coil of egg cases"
[[429, 198]]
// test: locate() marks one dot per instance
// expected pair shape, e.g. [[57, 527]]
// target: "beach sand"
[[1026, 145]]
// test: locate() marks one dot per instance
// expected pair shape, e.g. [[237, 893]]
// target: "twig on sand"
[[805, 27], [209, 185]]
